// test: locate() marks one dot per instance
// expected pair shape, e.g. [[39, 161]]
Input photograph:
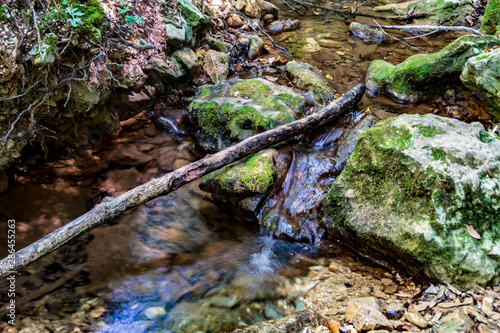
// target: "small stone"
[[154, 312], [380, 294], [365, 317], [235, 21], [386, 282], [268, 17], [371, 301], [216, 65], [416, 319], [255, 48], [482, 328]]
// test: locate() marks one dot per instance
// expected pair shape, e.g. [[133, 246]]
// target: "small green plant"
[[74, 12], [132, 19]]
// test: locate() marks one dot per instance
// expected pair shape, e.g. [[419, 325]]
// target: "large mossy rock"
[[443, 12], [244, 185], [491, 18], [417, 76], [482, 75], [415, 191], [232, 111]]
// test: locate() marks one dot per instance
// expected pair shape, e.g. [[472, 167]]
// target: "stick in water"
[[111, 207]]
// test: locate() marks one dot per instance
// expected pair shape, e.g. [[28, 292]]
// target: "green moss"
[[419, 73], [253, 89], [93, 14], [293, 102], [429, 131], [491, 18], [205, 93], [256, 175], [487, 137]]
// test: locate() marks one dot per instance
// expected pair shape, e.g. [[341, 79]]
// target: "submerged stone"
[[307, 77], [365, 31], [414, 78], [413, 193], [234, 110], [482, 75]]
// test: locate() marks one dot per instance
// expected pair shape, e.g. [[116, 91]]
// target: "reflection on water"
[[237, 285]]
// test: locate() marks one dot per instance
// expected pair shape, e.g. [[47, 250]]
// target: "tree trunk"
[[111, 207]]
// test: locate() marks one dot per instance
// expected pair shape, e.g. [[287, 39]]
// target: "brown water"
[[207, 270]]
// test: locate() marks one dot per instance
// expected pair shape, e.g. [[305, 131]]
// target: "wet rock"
[[414, 79], [218, 45], [234, 110], [307, 77], [365, 318], [290, 25], [4, 181], [431, 221], [154, 312], [296, 322], [255, 48], [275, 27], [259, 8], [268, 17], [482, 75], [216, 65], [365, 31], [491, 17], [243, 185], [416, 319]]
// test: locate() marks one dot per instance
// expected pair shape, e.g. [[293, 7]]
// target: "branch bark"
[[429, 27], [113, 206]]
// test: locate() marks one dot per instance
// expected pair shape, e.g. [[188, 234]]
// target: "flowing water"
[[179, 263]]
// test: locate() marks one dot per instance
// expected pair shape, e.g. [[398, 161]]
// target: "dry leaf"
[[474, 234], [299, 175], [334, 326], [329, 77], [200, 53]]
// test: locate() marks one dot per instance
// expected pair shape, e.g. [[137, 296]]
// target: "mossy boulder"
[[482, 75], [305, 76], [491, 18], [243, 185], [423, 193], [234, 110], [443, 12], [416, 77]]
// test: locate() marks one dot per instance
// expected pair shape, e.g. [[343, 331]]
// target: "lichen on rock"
[[482, 75], [412, 188], [231, 111], [414, 78]]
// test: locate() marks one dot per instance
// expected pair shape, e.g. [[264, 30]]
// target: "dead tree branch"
[[429, 27], [112, 207]]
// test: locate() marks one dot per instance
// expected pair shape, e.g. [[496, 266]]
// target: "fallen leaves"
[[472, 232]]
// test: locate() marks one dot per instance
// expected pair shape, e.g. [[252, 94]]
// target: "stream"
[[179, 263]]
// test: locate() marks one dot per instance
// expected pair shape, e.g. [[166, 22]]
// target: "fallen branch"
[[429, 27], [113, 206]]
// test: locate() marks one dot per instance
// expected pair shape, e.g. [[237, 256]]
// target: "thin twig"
[[394, 38], [429, 27]]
